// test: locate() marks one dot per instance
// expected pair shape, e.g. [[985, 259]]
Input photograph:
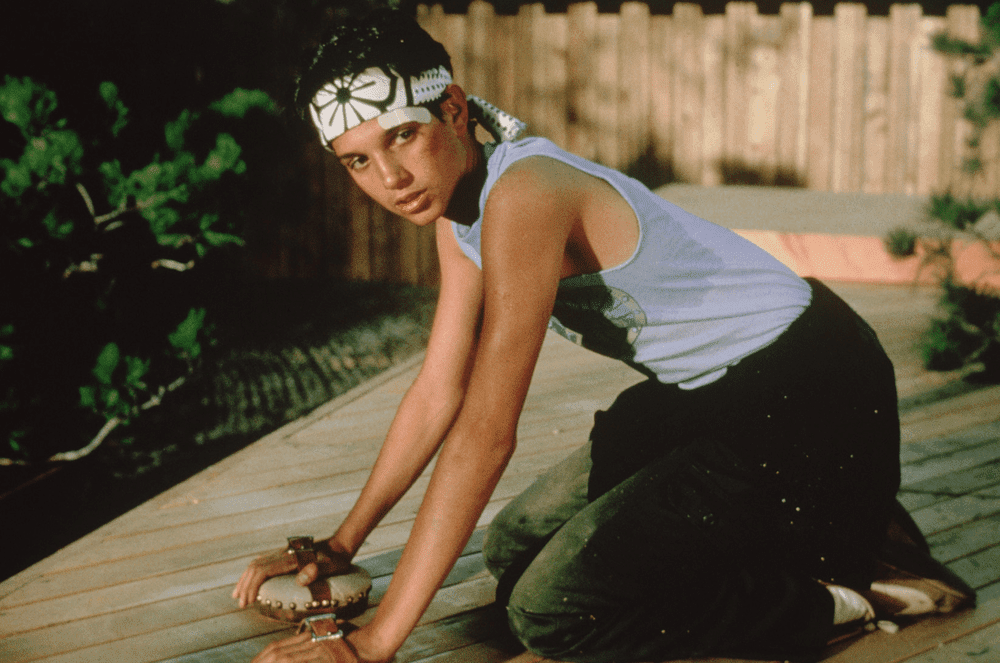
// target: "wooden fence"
[[848, 102]]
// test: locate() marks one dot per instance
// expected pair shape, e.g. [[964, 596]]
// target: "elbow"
[[483, 442], [437, 400]]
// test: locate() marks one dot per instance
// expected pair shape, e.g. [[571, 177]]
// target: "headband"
[[380, 92]]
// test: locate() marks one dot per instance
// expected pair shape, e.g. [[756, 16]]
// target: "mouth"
[[412, 202]]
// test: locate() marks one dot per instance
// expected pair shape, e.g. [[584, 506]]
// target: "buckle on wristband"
[[299, 544], [325, 632]]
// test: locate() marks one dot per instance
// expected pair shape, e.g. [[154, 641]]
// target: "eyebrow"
[[387, 134]]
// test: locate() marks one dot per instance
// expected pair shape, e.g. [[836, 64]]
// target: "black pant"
[[711, 513]]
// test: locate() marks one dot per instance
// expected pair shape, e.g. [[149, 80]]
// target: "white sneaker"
[[849, 606]]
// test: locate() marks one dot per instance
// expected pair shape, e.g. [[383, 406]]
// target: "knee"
[[498, 543], [548, 630], [554, 636]]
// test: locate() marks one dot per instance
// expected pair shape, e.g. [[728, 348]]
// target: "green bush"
[[968, 334], [102, 262]]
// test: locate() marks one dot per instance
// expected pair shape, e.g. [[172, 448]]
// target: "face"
[[412, 169]]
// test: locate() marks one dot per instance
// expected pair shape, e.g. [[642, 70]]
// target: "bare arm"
[[427, 411], [429, 407], [528, 219]]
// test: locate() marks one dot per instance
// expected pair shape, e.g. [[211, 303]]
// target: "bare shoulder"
[[540, 195], [539, 182]]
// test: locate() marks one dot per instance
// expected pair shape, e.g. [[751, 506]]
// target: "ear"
[[455, 109]]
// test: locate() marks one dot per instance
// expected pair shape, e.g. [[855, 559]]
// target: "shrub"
[[102, 262], [968, 334]]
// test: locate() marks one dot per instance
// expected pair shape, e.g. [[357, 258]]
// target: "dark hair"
[[382, 37]]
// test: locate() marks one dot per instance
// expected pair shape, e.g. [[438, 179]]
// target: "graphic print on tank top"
[[598, 317]]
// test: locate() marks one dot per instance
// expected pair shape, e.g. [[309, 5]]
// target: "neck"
[[463, 207]]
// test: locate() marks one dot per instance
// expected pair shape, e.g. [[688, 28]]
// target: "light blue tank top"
[[693, 299]]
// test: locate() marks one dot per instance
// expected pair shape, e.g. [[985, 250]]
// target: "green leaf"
[[55, 229], [88, 397], [135, 369], [219, 239], [111, 399], [109, 93], [240, 100], [26, 104], [991, 98], [114, 182], [18, 179], [207, 220], [224, 157], [174, 131], [107, 362], [161, 219], [6, 352], [185, 337]]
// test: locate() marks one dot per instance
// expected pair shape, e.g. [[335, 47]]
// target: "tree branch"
[[109, 426], [173, 264]]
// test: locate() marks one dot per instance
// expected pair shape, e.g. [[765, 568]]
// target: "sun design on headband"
[[347, 102]]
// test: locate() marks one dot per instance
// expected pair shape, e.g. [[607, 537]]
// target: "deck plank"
[[921, 636]]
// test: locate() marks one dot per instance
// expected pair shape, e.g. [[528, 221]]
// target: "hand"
[[330, 562], [301, 649]]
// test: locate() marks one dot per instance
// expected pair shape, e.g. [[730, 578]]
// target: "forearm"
[[464, 478], [417, 430]]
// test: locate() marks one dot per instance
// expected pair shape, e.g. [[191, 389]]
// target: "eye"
[[405, 134], [357, 163]]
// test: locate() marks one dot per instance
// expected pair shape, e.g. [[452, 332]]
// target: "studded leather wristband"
[[322, 627]]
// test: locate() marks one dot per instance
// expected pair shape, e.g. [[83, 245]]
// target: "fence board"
[[820, 104], [765, 80], [633, 78], [849, 74], [688, 91], [739, 39], [845, 103], [582, 92], [903, 104], [661, 100], [876, 125], [480, 52], [609, 89], [793, 102], [930, 104], [550, 44], [713, 117]]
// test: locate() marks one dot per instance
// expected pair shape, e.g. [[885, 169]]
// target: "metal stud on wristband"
[[302, 548], [328, 634]]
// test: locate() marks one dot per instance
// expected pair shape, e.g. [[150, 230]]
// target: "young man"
[[732, 503]]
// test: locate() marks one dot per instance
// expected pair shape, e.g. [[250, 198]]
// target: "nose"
[[394, 176]]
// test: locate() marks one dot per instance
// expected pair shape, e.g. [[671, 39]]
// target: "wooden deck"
[[154, 585]]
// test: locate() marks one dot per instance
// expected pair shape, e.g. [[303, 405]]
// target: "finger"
[[251, 587], [286, 649], [304, 651], [308, 573], [241, 585], [236, 587]]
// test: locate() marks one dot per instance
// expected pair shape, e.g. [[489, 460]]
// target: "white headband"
[[379, 92], [343, 104]]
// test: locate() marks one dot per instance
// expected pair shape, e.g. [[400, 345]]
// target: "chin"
[[424, 218]]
